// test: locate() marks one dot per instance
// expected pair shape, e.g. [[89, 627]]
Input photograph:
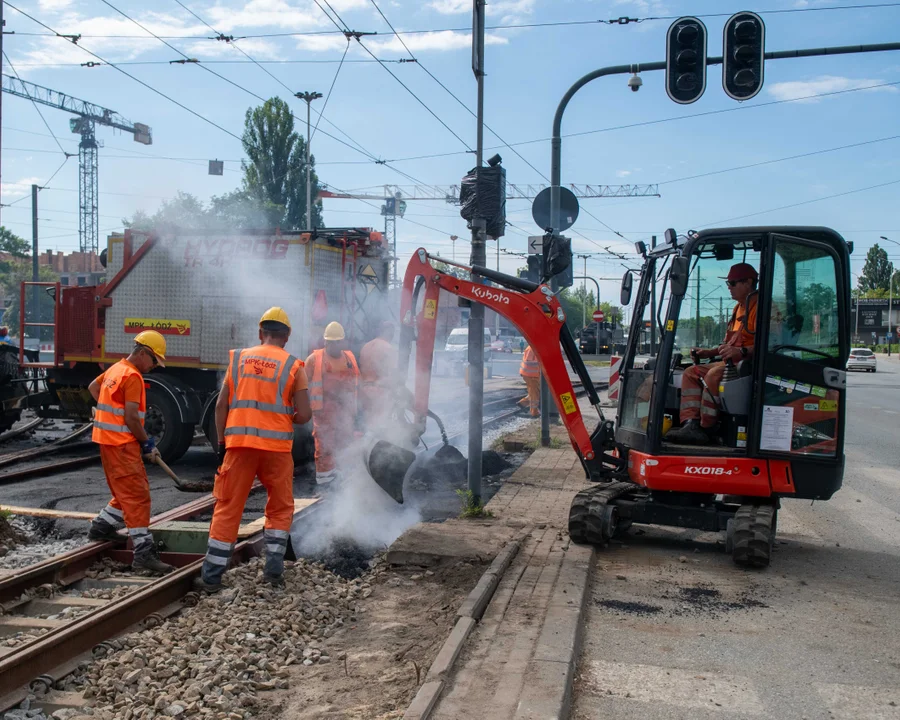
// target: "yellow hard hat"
[[334, 331], [155, 342], [275, 314]]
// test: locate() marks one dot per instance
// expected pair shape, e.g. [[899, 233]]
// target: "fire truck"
[[204, 291]]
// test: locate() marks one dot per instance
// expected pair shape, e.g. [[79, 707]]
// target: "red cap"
[[742, 271]]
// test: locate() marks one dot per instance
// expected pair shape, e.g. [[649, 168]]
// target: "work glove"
[[148, 448], [221, 453]]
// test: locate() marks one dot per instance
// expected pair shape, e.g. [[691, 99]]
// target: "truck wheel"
[[754, 535], [163, 423]]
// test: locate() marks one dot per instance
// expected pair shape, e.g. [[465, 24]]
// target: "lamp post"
[[308, 97], [890, 297]]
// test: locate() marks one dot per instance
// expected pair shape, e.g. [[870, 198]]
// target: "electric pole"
[[478, 257], [308, 97], [584, 290], [35, 274]]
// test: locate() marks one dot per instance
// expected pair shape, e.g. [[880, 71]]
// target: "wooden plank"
[[257, 525], [44, 513]]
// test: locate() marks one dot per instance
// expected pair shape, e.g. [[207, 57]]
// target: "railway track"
[[15, 432]]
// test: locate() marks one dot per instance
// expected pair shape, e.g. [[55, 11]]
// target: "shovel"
[[187, 487]]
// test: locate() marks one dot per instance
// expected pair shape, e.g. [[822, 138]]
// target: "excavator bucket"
[[387, 464]]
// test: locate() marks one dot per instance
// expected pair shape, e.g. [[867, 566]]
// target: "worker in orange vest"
[[378, 372], [119, 431], [333, 379], [264, 394], [530, 370]]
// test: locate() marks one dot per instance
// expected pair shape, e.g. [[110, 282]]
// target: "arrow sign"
[[598, 316], [535, 244]]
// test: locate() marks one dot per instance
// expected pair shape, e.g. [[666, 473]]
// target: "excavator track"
[[592, 520], [753, 535]]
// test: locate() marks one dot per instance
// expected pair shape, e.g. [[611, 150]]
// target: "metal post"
[[478, 257], [35, 273], [653, 305], [2, 27], [697, 310], [890, 296], [308, 97]]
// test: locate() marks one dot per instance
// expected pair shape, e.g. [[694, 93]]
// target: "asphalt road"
[[675, 630]]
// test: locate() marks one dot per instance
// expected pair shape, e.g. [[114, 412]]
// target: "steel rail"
[[52, 447], [14, 433]]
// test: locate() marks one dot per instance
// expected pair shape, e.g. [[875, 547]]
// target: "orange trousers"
[[533, 398], [699, 402], [331, 431], [275, 471], [128, 483]]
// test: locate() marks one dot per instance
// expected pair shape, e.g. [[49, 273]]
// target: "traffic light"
[[558, 260], [743, 55], [533, 272], [686, 60]]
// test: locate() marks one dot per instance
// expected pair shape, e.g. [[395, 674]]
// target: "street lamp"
[[308, 97], [890, 296]]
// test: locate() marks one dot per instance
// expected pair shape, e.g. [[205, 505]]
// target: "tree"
[[276, 174], [13, 244], [876, 271]]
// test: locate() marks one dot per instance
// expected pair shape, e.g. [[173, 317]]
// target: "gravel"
[[37, 545], [213, 660]]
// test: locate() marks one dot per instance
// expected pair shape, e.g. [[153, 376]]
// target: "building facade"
[[869, 320]]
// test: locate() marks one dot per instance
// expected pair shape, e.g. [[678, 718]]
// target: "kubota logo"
[[706, 470], [486, 294]]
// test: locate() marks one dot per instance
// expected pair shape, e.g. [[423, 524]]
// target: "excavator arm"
[[541, 320]]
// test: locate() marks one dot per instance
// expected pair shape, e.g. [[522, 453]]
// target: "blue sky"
[[529, 69]]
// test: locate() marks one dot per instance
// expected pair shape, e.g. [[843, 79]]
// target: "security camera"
[[635, 82]]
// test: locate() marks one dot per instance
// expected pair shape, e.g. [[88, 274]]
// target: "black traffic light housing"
[[743, 55], [558, 260], [686, 60]]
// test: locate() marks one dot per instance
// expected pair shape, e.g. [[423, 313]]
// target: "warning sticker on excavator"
[[670, 326], [430, 309], [162, 325], [828, 405], [568, 403]]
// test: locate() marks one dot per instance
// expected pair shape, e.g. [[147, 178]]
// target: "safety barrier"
[[615, 362]]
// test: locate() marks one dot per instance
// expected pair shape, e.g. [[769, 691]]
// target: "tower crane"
[[396, 196], [88, 117]]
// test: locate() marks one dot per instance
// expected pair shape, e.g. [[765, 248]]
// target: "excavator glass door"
[[798, 413]]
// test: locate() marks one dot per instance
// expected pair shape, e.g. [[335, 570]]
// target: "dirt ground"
[[381, 658]]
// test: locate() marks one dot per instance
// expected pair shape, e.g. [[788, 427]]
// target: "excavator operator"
[[700, 383]]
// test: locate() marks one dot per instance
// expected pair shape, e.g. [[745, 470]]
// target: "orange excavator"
[[781, 412]]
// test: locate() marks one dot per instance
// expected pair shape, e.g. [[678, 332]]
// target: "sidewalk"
[[519, 661]]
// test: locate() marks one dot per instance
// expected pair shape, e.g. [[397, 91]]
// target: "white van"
[[458, 342]]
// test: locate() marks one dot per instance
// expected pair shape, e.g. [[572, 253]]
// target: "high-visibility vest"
[[316, 382], [109, 421], [741, 330], [261, 407], [530, 366]]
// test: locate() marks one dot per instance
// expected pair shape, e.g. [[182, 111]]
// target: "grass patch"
[[5, 514], [597, 363], [472, 509]]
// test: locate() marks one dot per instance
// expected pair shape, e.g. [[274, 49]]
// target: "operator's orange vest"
[[109, 422], [742, 327], [530, 366], [261, 411], [317, 385]]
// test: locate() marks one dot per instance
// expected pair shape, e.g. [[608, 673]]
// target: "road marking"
[[701, 689], [851, 702]]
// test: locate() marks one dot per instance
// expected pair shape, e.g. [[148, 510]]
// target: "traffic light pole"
[[631, 69]]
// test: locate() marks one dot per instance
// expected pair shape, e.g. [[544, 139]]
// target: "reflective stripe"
[[111, 427], [263, 358], [266, 407], [275, 548], [690, 392], [106, 515], [285, 374], [139, 532], [220, 544], [117, 411], [276, 533], [216, 560], [708, 411], [690, 404], [235, 363], [257, 432], [316, 384]]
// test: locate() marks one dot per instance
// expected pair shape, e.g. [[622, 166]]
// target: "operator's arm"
[[94, 388], [222, 403]]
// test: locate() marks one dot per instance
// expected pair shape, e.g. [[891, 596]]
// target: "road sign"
[[598, 316], [568, 209], [535, 244]]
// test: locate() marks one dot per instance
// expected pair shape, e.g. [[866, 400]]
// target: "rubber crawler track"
[[754, 535], [586, 511]]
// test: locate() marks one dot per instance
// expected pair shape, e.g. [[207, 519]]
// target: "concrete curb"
[[469, 613], [551, 672]]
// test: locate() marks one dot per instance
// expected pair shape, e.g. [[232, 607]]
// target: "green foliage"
[[276, 175], [876, 271], [13, 244], [579, 304], [471, 508]]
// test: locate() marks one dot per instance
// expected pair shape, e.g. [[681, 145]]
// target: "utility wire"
[[517, 26], [213, 62], [452, 94], [43, 119], [328, 94]]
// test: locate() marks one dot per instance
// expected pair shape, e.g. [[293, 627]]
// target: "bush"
[[895, 348]]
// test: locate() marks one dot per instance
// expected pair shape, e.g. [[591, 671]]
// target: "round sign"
[[598, 316], [568, 209]]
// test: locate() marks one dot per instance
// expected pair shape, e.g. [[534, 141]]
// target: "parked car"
[[862, 359], [458, 343]]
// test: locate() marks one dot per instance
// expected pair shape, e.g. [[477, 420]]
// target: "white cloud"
[[646, 7], [19, 187], [54, 5], [508, 11], [258, 48], [268, 14], [623, 173], [795, 89], [451, 7], [444, 40]]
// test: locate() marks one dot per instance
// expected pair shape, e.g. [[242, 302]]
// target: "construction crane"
[[89, 116], [396, 196]]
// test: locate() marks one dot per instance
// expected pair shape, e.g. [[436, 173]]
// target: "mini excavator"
[[781, 413]]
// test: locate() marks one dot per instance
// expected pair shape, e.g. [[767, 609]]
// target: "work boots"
[[102, 531], [218, 553], [147, 558], [688, 434], [276, 546]]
